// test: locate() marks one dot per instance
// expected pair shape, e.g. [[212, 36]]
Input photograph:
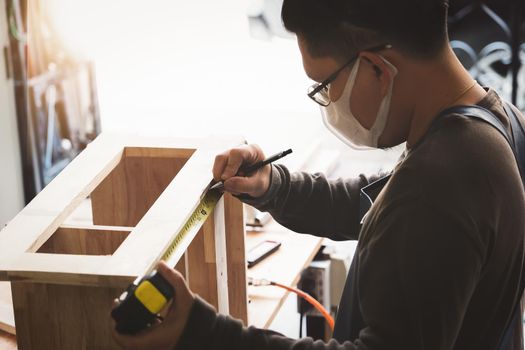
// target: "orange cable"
[[311, 300]]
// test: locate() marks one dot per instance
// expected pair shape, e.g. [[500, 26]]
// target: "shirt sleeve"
[[207, 330], [415, 279], [311, 203]]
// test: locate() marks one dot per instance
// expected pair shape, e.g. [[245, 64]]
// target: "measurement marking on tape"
[[195, 221]]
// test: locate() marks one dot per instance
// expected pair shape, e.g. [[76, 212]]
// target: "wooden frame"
[[142, 190]]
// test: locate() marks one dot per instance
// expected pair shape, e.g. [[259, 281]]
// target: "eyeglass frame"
[[317, 87]]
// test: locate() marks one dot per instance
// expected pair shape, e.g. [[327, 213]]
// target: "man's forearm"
[[310, 203]]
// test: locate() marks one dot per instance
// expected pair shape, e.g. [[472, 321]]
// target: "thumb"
[[174, 277], [184, 299]]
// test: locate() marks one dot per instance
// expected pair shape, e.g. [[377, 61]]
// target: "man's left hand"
[[167, 333]]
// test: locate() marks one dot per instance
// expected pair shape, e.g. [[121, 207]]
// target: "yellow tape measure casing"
[[150, 297]]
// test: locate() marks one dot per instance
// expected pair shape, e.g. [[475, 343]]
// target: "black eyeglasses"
[[319, 91]]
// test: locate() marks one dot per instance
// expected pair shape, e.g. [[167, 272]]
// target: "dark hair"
[[343, 27]]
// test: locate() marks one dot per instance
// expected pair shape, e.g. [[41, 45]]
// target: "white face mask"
[[340, 120]]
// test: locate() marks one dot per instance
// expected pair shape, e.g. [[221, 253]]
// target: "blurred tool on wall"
[[487, 36], [56, 97]]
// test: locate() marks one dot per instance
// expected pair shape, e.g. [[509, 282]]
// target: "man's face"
[[370, 87]]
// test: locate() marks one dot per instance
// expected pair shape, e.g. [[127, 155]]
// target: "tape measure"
[[139, 305]]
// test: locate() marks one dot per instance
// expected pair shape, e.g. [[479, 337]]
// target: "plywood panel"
[[128, 192], [52, 316]]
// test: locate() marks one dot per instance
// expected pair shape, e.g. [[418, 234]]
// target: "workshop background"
[[71, 69]]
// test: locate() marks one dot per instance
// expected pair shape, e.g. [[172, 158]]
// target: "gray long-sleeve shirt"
[[440, 252]]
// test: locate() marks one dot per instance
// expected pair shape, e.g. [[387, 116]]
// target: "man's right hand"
[[227, 165]]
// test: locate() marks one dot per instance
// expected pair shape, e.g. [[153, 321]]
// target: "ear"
[[383, 72]]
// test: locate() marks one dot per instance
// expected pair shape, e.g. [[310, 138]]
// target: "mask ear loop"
[[351, 80], [354, 78], [384, 108], [392, 70]]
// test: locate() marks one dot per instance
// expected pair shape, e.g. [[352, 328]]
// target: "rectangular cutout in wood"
[[128, 192], [84, 241]]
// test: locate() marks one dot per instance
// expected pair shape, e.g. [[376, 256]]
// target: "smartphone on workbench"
[[261, 251]]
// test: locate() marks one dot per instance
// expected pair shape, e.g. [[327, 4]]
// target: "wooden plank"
[[82, 216], [221, 273], [65, 269], [88, 226], [235, 238]]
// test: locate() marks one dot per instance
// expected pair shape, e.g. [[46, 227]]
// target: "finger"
[[241, 156], [218, 166], [241, 184], [171, 275], [235, 160]]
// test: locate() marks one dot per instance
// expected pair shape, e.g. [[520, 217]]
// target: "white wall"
[[189, 68], [11, 188]]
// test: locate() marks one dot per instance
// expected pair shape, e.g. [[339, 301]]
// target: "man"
[[440, 252]]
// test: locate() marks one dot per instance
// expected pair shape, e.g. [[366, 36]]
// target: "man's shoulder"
[[462, 144], [461, 161]]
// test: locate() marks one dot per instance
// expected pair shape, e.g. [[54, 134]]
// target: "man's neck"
[[445, 83]]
